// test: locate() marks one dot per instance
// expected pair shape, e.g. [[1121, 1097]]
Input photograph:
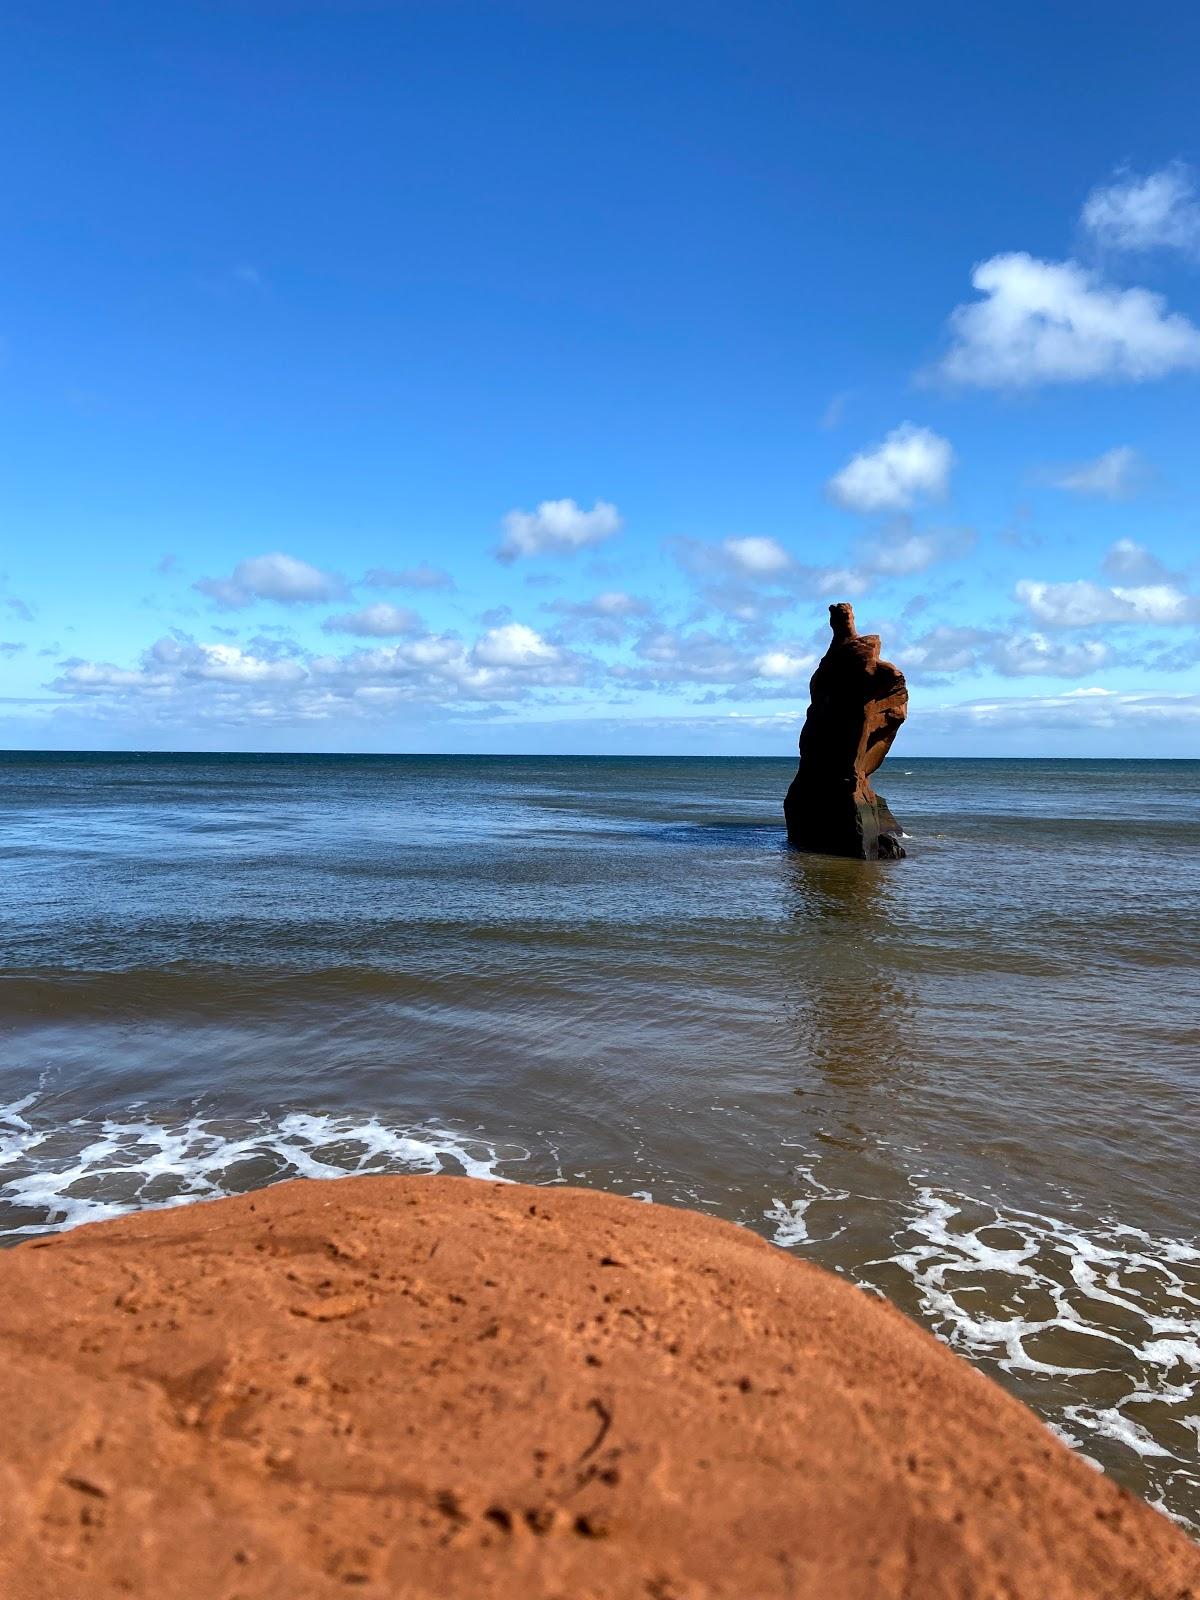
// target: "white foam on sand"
[[1102, 1318], [791, 1216], [1097, 1322], [84, 1171]]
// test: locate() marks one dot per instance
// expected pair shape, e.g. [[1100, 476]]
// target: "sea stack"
[[857, 703]]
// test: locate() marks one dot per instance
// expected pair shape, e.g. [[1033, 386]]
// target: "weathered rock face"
[[434, 1387], [857, 704]]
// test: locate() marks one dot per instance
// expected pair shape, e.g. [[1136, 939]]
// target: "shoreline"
[[491, 1389]]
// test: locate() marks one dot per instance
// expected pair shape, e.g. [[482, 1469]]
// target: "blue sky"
[[531, 377]]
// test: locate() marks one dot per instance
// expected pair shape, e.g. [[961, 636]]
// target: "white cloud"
[[1112, 476], [757, 557], [222, 684], [418, 577], [605, 618], [557, 527], [379, 621], [505, 663], [911, 464], [612, 603], [899, 555], [273, 577], [682, 658], [1033, 654], [784, 665], [946, 650], [736, 576], [98, 677], [1158, 212], [1130, 562], [1091, 708], [1058, 322], [171, 661], [673, 656], [514, 645], [1082, 604], [827, 582]]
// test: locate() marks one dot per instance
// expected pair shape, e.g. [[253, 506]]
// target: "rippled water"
[[969, 1080]]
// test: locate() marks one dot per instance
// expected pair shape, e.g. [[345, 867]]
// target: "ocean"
[[969, 1081]]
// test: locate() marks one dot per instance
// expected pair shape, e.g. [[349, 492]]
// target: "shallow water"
[[969, 1080]]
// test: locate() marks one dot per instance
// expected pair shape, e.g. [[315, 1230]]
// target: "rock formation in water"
[[857, 704], [437, 1387]]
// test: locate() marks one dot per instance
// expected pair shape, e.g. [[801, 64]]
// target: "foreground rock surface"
[[437, 1387], [857, 704]]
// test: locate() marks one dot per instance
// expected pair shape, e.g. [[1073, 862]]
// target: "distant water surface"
[[969, 1080]]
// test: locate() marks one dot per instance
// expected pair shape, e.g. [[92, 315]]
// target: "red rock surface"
[[437, 1387], [856, 706]]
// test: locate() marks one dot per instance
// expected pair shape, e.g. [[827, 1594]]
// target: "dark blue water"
[[970, 1080]]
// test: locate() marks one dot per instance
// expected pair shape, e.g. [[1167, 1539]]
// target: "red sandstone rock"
[[857, 705], [433, 1387]]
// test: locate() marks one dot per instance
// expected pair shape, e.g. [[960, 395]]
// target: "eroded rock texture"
[[438, 1389], [857, 704]]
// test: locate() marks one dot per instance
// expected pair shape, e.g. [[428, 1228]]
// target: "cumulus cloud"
[[673, 655], [1083, 604], [1112, 476], [174, 660], [1023, 655], [419, 577], [669, 658], [606, 617], [1130, 562], [1144, 592], [505, 663], [904, 552], [557, 527], [514, 645], [757, 557], [736, 576], [16, 607], [224, 684], [785, 665], [1089, 707], [911, 464], [1059, 322], [278, 577], [379, 621], [749, 578], [945, 651], [612, 603], [1157, 212]]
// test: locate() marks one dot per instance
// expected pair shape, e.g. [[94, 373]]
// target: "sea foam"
[[1096, 1324], [84, 1171]]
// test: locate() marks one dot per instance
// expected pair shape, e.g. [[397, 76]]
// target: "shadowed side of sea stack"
[[857, 703], [436, 1387]]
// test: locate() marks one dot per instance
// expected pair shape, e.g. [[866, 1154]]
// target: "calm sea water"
[[969, 1080]]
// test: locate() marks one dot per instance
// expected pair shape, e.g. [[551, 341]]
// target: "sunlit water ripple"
[[968, 1081]]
